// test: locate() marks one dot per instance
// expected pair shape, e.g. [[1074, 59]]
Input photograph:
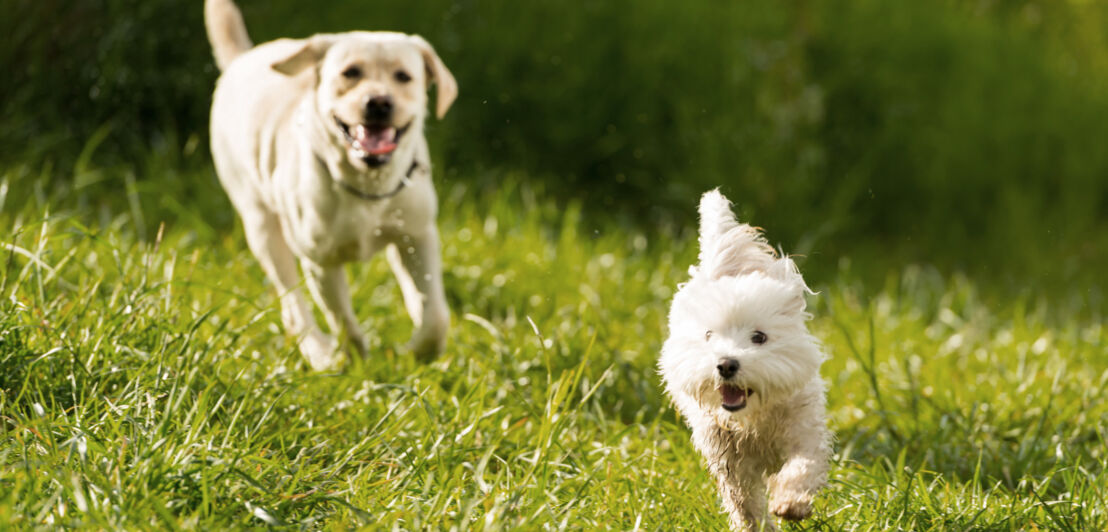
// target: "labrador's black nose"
[[378, 109], [728, 367]]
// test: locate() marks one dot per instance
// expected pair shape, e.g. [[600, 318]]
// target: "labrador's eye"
[[402, 76], [759, 338], [352, 73], [707, 335]]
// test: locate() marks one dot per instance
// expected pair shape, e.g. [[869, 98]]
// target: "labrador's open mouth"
[[372, 143], [733, 397]]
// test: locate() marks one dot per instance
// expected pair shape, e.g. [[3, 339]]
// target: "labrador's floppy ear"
[[437, 72], [307, 56]]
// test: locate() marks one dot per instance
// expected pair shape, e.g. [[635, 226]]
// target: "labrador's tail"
[[226, 31]]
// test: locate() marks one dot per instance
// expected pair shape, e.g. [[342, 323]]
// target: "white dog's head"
[[371, 89], [738, 337]]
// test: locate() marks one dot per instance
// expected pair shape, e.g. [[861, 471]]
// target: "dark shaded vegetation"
[[963, 134]]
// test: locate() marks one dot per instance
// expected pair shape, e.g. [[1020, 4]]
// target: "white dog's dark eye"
[[758, 338], [707, 335], [402, 76], [352, 73]]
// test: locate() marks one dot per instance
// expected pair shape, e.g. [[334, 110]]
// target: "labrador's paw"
[[322, 352], [429, 340]]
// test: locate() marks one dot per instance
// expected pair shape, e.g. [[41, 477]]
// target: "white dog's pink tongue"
[[374, 141], [732, 395]]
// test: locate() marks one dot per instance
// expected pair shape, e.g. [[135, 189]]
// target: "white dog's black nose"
[[378, 109], [728, 367]]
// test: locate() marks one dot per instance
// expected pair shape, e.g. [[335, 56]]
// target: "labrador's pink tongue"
[[374, 141]]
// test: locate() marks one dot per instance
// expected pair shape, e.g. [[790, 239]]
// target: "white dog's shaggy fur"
[[319, 144], [742, 368]]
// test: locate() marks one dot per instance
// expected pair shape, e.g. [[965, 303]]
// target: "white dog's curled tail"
[[226, 31], [728, 247]]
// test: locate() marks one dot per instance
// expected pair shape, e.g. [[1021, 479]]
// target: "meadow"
[[936, 168], [148, 384]]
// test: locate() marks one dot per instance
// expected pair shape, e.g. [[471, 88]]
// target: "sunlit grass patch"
[[146, 383]]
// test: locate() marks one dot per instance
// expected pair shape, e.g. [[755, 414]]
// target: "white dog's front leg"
[[807, 446], [742, 487], [744, 497], [328, 286], [416, 262]]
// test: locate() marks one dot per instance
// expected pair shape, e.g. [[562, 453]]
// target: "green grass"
[[145, 382]]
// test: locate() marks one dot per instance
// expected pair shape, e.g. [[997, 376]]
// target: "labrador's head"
[[371, 89]]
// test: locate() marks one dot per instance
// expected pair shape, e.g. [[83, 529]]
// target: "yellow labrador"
[[319, 144]]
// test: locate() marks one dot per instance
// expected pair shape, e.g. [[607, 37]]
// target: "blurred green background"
[[968, 135]]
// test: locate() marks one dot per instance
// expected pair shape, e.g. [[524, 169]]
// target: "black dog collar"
[[405, 180]]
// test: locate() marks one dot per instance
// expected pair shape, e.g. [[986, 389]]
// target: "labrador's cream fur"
[[295, 148]]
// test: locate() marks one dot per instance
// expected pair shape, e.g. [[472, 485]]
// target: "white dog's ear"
[[728, 248], [438, 73], [784, 269], [308, 56]]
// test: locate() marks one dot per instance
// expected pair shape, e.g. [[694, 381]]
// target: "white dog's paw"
[[322, 351], [791, 506], [752, 524]]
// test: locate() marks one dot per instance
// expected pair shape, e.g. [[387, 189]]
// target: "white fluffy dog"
[[744, 371]]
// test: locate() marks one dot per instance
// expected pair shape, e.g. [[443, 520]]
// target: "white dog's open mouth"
[[734, 397], [372, 143]]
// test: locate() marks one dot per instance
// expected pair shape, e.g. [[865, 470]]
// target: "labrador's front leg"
[[416, 262], [330, 291], [266, 240]]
